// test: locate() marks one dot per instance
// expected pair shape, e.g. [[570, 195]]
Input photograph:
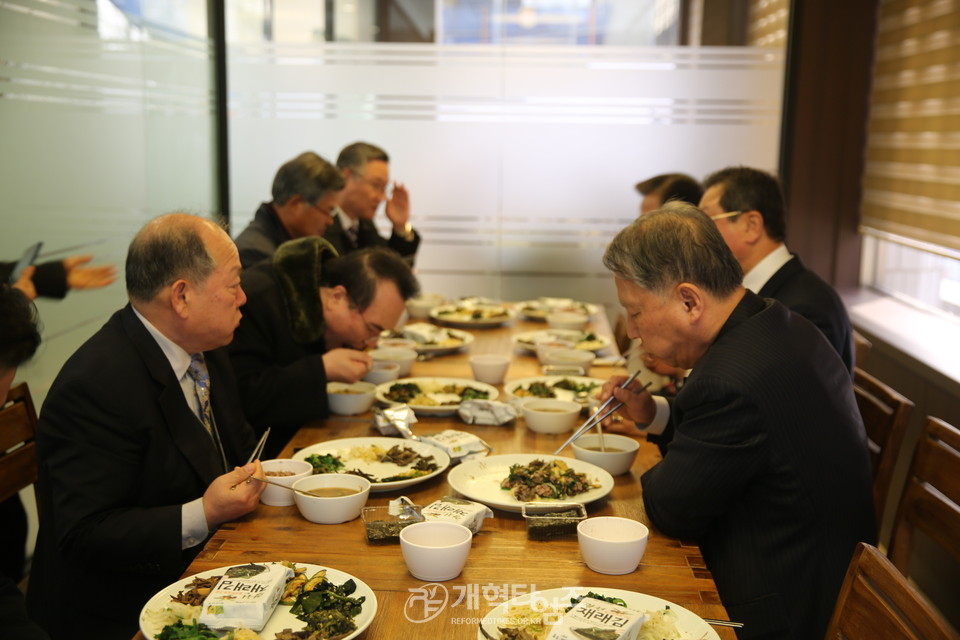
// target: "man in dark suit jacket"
[[768, 467], [367, 172], [309, 315], [132, 480], [305, 193], [748, 208]]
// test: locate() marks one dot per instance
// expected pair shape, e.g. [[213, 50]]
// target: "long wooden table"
[[503, 562]]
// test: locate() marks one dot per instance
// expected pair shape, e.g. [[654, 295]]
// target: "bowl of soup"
[[347, 399], [611, 452], [331, 498], [548, 415]]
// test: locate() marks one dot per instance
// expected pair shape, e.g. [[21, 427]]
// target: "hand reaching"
[[398, 207], [346, 365], [80, 277]]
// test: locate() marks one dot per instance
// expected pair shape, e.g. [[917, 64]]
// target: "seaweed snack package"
[[246, 596], [469, 514], [459, 445], [592, 619]]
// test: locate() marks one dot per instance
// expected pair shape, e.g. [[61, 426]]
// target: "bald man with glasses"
[[308, 317]]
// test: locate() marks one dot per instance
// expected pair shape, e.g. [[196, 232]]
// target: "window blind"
[[912, 176]]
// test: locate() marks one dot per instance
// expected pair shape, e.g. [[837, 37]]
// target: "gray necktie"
[[353, 232], [201, 385]]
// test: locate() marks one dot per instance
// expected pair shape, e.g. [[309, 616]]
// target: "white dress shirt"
[[193, 519]]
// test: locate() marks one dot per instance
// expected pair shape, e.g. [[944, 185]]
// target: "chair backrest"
[[18, 451], [861, 347], [876, 602], [885, 416], [931, 497]]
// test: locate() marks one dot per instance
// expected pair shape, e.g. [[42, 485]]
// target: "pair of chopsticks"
[[257, 450], [603, 412]]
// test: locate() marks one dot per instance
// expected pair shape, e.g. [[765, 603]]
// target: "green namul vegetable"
[[180, 631], [326, 463], [329, 609]]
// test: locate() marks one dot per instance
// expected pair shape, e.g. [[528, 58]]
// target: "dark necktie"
[[353, 232]]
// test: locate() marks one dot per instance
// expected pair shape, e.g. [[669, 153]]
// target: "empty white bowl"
[[489, 367], [612, 545], [568, 358], [567, 320], [348, 399], [618, 457], [435, 551], [382, 371], [335, 509], [403, 357], [420, 306], [278, 496], [549, 415]]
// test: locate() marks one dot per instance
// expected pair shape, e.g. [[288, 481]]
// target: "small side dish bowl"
[[567, 320], [403, 357], [548, 415], [620, 452], [350, 399], [382, 371], [569, 358], [420, 306], [283, 471], [332, 509], [396, 343]]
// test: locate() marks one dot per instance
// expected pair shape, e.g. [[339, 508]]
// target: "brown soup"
[[331, 492]]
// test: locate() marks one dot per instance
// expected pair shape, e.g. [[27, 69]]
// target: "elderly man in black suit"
[[140, 437], [367, 171], [305, 194], [767, 465], [748, 208]]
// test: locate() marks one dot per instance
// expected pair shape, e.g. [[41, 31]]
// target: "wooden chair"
[[877, 603], [885, 416], [931, 497], [861, 348], [18, 451]]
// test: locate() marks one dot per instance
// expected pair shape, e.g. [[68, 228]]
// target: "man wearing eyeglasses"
[[367, 172], [748, 207], [308, 316], [305, 194]]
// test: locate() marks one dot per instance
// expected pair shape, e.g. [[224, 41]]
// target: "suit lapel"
[[783, 274], [186, 431]]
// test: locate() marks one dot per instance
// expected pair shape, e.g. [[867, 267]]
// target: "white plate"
[[538, 310], [465, 337], [281, 618], [561, 394], [464, 320], [690, 624], [528, 340], [479, 480], [427, 384], [379, 469]]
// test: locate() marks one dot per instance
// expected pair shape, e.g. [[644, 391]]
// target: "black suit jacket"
[[261, 237], [282, 381], [49, 278], [804, 292], [768, 470], [120, 451], [368, 236]]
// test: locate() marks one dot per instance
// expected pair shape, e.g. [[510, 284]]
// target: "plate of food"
[[180, 604], [559, 387], [436, 340], [586, 340], [531, 615], [508, 481], [434, 396], [475, 316], [388, 463], [540, 308]]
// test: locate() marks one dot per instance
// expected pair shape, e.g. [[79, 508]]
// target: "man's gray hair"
[[167, 249], [676, 243], [308, 176], [356, 156]]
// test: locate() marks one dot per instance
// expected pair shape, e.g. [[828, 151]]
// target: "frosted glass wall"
[[106, 122], [520, 160]]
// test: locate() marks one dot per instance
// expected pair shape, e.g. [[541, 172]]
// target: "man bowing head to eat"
[[766, 464], [140, 437]]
